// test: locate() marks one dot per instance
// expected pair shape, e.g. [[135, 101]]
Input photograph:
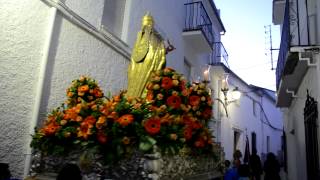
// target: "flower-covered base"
[[138, 166]]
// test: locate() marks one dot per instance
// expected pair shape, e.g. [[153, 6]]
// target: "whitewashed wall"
[[23, 31], [242, 119], [294, 122]]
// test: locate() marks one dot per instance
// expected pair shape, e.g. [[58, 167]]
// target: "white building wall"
[[24, 25], [242, 119], [294, 120]]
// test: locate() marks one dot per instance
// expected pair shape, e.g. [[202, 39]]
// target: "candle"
[[206, 75]]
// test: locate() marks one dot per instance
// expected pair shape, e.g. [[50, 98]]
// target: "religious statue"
[[149, 54]]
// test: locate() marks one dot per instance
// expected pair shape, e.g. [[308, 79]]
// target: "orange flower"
[[126, 140], [117, 98], [125, 120], [150, 96], [70, 114], [51, 129], [90, 120], [83, 88], [85, 130], [97, 93], [174, 102], [166, 83], [101, 122], [70, 94], [152, 126], [194, 100]]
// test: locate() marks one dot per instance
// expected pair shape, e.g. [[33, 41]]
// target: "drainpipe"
[[40, 86]]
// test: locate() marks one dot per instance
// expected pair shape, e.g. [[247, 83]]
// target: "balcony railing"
[[219, 54], [284, 45], [198, 19]]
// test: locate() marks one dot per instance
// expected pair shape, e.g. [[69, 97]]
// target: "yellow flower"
[[173, 136], [156, 87], [175, 82], [63, 122], [126, 140]]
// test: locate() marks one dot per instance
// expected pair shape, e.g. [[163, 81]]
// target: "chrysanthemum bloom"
[[174, 102], [194, 100], [90, 120], [70, 114], [150, 96], [125, 120], [152, 126], [85, 129], [126, 140], [101, 122], [50, 129], [83, 88], [97, 93], [166, 83]]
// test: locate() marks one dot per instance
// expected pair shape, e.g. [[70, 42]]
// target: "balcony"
[[219, 54], [198, 28], [295, 54]]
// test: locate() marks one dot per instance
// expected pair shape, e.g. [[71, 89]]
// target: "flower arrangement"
[[173, 116]]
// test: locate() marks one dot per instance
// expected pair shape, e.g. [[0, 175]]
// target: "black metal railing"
[[198, 19], [311, 137], [284, 44], [219, 54]]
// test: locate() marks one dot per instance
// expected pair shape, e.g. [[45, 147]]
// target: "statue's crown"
[[147, 20]]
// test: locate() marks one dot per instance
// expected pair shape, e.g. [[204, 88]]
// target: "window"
[[112, 17], [187, 68], [236, 137], [253, 141], [254, 108]]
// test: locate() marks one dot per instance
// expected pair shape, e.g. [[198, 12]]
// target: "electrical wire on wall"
[[268, 123]]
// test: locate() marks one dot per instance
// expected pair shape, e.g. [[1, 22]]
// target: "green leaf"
[[147, 143]]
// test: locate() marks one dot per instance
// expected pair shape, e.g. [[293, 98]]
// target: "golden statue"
[[148, 54]]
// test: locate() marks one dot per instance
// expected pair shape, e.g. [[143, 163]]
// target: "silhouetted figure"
[[244, 172], [231, 173], [255, 165], [271, 168], [4, 171], [69, 172]]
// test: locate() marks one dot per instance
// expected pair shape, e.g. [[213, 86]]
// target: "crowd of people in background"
[[253, 169]]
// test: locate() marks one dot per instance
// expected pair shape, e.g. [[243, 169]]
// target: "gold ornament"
[[148, 55]]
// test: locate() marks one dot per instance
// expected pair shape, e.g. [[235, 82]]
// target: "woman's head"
[[69, 171]]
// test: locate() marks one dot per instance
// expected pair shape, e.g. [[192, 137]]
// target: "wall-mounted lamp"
[[229, 96]]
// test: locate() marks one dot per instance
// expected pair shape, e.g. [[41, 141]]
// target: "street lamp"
[[229, 96]]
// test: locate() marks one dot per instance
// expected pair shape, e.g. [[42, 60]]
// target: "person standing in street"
[[271, 168], [255, 165]]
